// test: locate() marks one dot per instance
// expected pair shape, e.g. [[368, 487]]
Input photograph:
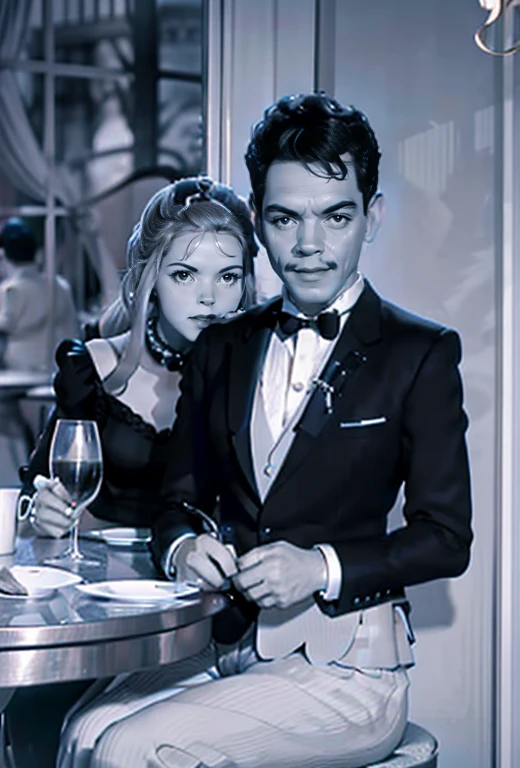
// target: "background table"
[[20, 422], [13, 382]]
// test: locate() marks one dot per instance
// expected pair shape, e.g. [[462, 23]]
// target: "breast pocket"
[[369, 427]]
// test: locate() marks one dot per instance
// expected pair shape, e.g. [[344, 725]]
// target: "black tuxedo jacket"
[[397, 419]]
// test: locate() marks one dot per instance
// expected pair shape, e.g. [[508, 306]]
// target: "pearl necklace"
[[161, 352]]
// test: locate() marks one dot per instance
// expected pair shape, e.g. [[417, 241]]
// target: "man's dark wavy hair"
[[313, 128], [18, 241]]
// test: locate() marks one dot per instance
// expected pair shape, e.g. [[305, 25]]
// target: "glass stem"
[[75, 554]]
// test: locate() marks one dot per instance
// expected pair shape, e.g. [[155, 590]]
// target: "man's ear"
[[375, 214], [257, 220]]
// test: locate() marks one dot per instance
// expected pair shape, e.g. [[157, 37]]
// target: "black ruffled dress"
[[134, 452]]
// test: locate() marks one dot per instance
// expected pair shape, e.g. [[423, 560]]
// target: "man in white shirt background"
[[24, 302], [299, 423], [25, 344]]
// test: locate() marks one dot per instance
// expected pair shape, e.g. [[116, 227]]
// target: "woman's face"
[[194, 290]]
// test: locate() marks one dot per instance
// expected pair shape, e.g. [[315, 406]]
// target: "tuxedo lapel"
[[351, 353], [245, 369]]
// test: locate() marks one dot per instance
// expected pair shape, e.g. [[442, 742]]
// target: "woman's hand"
[[51, 513]]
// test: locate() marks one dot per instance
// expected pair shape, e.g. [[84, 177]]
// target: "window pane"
[[180, 127], [22, 167], [30, 89], [180, 35], [94, 139], [80, 26], [180, 135], [32, 47], [117, 214], [36, 18], [7, 194]]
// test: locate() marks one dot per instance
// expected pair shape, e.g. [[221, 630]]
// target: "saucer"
[[140, 590], [41, 581]]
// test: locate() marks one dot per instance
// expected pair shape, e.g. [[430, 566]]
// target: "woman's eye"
[[181, 276], [230, 278]]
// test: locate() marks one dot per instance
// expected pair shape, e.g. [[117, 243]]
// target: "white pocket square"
[[362, 423]]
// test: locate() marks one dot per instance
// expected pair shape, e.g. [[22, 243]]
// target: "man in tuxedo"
[[299, 422]]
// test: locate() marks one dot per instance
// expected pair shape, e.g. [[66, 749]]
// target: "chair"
[[418, 749], [14, 422], [44, 397], [5, 752]]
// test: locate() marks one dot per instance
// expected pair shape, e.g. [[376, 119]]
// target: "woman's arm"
[[75, 389]]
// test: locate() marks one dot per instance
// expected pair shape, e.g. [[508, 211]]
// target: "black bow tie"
[[326, 324]]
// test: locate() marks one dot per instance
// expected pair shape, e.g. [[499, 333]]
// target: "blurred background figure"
[[24, 302]]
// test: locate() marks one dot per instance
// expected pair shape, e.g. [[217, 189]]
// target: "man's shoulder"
[[17, 288], [376, 317], [413, 335], [10, 282], [410, 321]]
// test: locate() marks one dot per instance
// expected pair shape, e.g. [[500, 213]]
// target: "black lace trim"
[[108, 405]]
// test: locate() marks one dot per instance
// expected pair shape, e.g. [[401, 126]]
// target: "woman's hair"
[[195, 205]]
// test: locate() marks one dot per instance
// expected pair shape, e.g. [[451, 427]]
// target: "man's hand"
[[51, 513], [280, 574], [205, 560]]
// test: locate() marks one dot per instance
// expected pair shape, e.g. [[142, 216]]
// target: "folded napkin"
[[9, 585]]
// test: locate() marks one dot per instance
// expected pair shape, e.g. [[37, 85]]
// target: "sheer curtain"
[[22, 160]]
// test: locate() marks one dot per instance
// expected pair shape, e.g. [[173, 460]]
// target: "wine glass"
[[76, 459]]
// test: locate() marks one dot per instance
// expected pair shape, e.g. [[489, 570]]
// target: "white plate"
[[120, 537], [140, 590], [41, 581]]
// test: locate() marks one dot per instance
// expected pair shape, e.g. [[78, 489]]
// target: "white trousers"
[[279, 714], [103, 705]]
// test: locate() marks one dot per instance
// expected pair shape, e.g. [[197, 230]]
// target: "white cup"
[[8, 519]]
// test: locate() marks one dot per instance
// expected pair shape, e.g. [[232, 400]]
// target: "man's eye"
[[282, 222], [181, 276], [338, 220]]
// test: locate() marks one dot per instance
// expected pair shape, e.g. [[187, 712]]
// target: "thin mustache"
[[298, 267]]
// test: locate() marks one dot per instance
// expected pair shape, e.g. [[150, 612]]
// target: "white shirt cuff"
[[334, 572], [168, 560]]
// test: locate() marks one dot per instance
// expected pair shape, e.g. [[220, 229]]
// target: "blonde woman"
[[190, 262]]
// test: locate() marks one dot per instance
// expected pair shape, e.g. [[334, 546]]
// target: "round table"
[[71, 636]]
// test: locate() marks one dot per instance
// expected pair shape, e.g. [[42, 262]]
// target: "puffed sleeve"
[[77, 386]]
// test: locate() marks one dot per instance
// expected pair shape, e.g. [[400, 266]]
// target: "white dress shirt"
[[285, 386]]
